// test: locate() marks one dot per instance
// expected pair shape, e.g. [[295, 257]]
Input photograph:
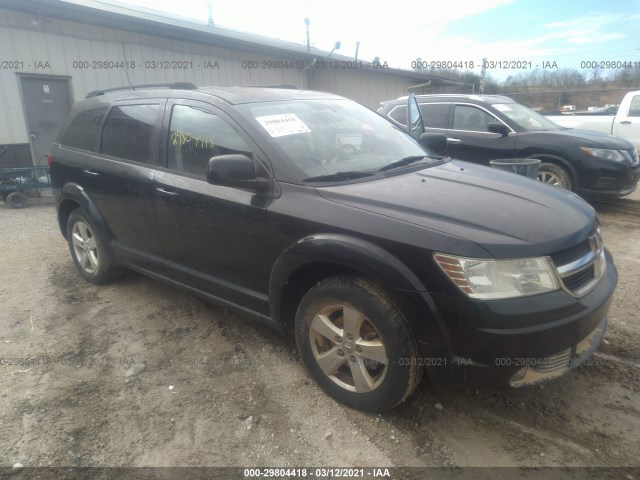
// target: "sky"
[[566, 32]]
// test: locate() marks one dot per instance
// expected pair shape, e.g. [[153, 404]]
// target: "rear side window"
[[434, 115], [399, 114], [634, 108], [84, 130], [196, 135], [128, 132]]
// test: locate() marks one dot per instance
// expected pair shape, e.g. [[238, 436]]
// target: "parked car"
[[622, 121], [481, 128], [384, 260]]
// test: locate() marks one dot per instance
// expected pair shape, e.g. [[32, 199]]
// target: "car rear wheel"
[[89, 250], [552, 174], [357, 344]]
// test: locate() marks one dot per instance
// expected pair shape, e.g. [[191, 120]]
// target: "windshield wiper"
[[402, 162], [346, 175]]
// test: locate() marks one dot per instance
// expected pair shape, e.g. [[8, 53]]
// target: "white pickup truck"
[[625, 123]]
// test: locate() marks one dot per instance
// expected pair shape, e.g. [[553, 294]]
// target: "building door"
[[46, 101]]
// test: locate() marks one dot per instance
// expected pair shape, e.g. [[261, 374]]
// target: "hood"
[[581, 138], [507, 214]]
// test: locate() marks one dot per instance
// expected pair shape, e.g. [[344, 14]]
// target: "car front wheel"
[[552, 174], [357, 344], [89, 250]]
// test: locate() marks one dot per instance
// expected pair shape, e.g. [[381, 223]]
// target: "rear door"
[[214, 237], [119, 178], [470, 140]]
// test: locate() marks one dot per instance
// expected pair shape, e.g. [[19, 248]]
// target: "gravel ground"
[[137, 373]]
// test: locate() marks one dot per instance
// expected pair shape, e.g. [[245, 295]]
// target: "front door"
[[214, 237], [469, 138], [47, 101]]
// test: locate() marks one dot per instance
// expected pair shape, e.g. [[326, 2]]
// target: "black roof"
[[232, 95], [238, 95]]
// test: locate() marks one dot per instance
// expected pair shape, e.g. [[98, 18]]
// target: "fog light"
[[519, 375]]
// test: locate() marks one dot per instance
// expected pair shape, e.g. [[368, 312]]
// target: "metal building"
[[57, 51]]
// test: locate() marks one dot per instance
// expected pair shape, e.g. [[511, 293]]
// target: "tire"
[[15, 200], [372, 379], [5, 195], [90, 252], [552, 174]]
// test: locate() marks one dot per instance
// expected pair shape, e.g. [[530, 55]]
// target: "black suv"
[[481, 128], [317, 216]]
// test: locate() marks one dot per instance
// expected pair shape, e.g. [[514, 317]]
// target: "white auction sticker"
[[283, 124]]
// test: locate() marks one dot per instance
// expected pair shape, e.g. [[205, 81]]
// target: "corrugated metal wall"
[[56, 47]]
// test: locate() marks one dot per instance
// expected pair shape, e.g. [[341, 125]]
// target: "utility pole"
[[307, 22], [210, 21], [483, 72]]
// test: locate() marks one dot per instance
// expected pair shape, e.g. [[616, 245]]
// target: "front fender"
[[376, 264]]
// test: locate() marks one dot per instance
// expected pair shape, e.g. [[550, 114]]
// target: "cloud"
[[591, 28]]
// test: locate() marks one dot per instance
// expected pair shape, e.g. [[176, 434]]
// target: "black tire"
[[15, 200], [555, 175], [89, 251], [5, 195], [382, 328]]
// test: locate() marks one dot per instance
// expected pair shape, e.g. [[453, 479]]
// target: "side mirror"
[[500, 128], [234, 170], [436, 142], [415, 124]]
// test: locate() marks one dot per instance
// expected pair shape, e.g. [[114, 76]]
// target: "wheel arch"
[[317, 257], [74, 196]]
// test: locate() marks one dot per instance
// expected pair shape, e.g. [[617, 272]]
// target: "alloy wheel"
[[348, 348], [84, 247]]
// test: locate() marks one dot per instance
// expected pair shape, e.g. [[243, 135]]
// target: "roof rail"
[[283, 86], [174, 85]]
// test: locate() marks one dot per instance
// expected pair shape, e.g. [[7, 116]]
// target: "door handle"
[[454, 140], [33, 136], [90, 173], [166, 193], [626, 122]]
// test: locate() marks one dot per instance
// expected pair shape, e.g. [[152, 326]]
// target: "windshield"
[[526, 118], [326, 138]]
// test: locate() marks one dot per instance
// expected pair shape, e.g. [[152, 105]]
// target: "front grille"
[[633, 153], [571, 254], [578, 280], [582, 266]]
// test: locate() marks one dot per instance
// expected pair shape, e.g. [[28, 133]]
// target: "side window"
[[435, 115], [84, 129], [128, 132], [196, 135], [399, 114], [634, 108], [471, 119]]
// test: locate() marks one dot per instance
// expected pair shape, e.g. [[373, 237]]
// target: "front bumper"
[[517, 342], [609, 178]]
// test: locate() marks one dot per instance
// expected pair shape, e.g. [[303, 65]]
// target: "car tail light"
[[49, 159]]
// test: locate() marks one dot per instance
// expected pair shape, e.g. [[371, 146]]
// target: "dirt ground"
[[137, 373]]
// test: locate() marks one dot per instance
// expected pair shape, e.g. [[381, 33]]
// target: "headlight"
[[494, 279], [615, 155]]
